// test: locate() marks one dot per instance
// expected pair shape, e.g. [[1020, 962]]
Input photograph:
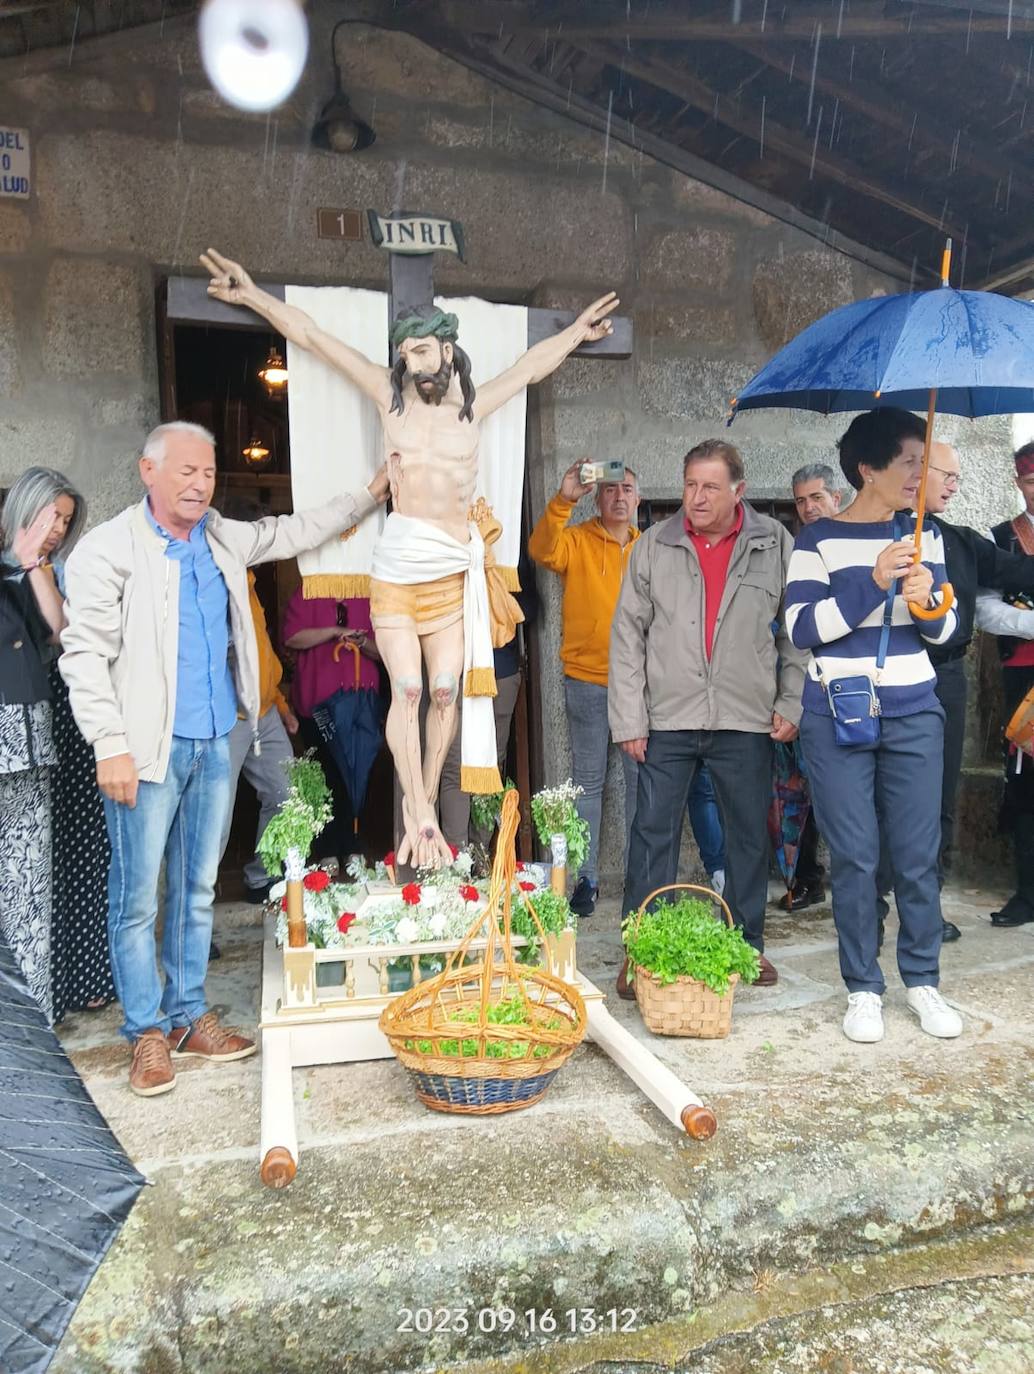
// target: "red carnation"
[[345, 920], [411, 894], [469, 894], [454, 851], [521, 865], [526, 887], [316, 881], [389, 859]]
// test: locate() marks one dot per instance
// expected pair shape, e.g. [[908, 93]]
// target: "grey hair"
[[814, 472], [154, 444], [34, 489]]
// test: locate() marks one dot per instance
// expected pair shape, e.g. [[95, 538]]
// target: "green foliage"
[[301, 817], [509, 1012], [485, 810], [554, 913], [683, 939]]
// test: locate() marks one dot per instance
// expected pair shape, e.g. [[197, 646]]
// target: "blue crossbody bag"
[[854, 702]]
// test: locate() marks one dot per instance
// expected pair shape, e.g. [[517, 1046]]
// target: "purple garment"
[[316, 676]]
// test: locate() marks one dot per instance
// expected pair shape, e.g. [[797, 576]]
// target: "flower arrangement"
[[329, 909], [300, 818], [553, 811]]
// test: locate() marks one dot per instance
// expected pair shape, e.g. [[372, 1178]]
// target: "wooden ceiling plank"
[[980, 158], [804, 151]]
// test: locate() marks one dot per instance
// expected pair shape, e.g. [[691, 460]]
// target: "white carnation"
[[437, 923], [407, 931]]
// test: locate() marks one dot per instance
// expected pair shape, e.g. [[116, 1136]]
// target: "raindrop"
[[764, 15], [954, 153], [815, 144], [75, 34], [911, 132], [840, 18], [761, 140], [1008, 22], [491, 117], [737, 11], [606, 139], [814, 70]]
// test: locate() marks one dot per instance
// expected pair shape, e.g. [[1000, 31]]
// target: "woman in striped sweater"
[[840, 574]]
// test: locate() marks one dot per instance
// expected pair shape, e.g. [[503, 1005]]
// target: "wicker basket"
[[687, 1006], [499, 1067]]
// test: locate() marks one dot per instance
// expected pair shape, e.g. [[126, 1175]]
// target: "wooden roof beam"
[[805, 152]]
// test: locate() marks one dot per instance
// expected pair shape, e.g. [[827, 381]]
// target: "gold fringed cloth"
[[495, 336], [337, 443]]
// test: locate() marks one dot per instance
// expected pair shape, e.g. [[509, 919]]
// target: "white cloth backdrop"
[[337, 443], [495, 336], [336, 439]]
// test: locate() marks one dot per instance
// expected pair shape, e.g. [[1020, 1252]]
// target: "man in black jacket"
[[1016, 648], [972, 562]]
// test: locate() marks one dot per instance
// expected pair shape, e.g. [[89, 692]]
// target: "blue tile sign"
[[15, 175]]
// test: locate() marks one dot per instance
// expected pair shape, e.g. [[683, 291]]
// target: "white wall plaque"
[[15, 168]]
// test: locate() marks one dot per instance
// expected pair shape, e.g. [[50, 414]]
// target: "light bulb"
[[253, 50]]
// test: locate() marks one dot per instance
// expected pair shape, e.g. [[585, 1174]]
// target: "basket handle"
[[684, 887]]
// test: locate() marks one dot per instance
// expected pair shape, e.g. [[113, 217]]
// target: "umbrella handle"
[[935, 612], [347, 644]]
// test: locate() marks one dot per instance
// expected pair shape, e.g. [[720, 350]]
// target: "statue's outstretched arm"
[[542, 360], [230, 283]]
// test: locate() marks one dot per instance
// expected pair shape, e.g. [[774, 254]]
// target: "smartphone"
[[592, 473]]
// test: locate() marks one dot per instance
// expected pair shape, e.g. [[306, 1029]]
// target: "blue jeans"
[[856, 793], [706, 822], [590, 741], [179, 820]]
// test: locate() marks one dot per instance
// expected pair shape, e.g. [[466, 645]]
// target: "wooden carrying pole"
[[947, 594]]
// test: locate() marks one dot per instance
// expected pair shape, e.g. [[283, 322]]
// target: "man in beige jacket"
[[159, 654], [698, 676]]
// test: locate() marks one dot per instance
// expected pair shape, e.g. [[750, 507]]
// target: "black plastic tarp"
[[66, 1185]]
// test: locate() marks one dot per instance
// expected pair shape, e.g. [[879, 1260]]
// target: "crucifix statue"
[[431, 602]]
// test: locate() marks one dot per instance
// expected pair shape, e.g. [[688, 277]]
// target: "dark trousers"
[[809, 872], [951, 692], [855, 792], [740, 764]]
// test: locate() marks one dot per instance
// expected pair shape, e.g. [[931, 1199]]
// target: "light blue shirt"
[[206, 699]]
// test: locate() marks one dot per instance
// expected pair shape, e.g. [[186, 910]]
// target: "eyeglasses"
[[950, 478]]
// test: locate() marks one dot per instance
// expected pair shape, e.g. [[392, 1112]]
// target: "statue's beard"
[[437, 383]]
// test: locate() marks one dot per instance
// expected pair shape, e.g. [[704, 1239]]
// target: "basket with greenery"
[[554, 813], [684, 964], [487, 1034]]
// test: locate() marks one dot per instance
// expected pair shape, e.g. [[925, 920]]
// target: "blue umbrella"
[[351, 726], [966, 352]]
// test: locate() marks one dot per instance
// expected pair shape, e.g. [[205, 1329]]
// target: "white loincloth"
[[412, 551]]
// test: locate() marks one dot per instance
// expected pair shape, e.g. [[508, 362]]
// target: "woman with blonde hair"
[[54, 851]]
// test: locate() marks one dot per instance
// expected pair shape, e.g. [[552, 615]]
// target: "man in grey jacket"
[[159, 654], [698, 676]]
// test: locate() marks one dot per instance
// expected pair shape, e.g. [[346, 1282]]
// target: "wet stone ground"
[[859, 1203]]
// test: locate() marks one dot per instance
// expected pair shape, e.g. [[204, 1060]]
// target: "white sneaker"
[[863, 1021], [935, 1016], [718, 881]]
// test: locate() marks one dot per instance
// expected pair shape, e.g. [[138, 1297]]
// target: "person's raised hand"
[[572, 488], [634, 748], [893, 562], [118, 779], [917, 584], [27, 544], [229, 281], [593, 322]]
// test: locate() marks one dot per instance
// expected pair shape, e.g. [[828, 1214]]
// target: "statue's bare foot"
[[425, 843]]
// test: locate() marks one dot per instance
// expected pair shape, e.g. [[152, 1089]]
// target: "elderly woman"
[[77, 971], [853, 589]]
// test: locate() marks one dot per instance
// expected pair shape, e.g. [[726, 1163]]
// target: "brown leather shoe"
[[768, 975], [206, 1039], [151, 1072], [625, 989]]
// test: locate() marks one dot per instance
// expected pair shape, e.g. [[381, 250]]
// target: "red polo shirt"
[[714, 564]]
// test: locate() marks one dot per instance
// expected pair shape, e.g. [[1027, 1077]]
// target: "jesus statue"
[[429, 592]]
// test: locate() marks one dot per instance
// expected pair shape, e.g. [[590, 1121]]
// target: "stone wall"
[[138, 167]]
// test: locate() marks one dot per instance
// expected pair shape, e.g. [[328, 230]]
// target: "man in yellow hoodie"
[[591, 559]]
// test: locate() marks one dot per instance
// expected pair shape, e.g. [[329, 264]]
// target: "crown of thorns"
[[422, 324]]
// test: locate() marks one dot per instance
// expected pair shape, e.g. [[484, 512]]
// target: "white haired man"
[[157, 597]]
